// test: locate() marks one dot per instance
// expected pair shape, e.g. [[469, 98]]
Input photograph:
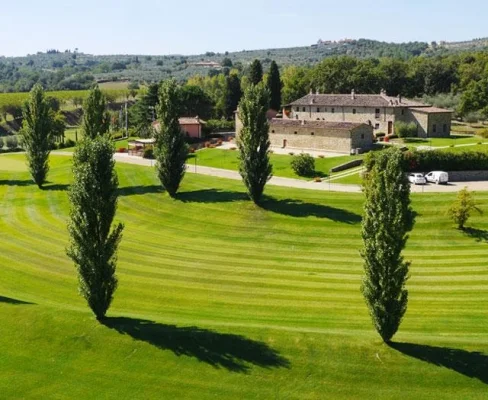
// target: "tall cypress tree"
[[171, 149], [255, 72], [274, 86], [387, 219], [36, 134], [253, 141], [96, 119], [233, 94], [93, 244]]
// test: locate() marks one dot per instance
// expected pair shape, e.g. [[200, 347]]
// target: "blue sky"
[[194, 27]]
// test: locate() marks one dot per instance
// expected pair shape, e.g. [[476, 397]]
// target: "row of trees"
[[465, 74]]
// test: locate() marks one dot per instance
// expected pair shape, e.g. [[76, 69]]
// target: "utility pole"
[[126, 121]]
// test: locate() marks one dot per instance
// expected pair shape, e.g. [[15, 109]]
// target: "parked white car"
[[417, 179], [437, 177]]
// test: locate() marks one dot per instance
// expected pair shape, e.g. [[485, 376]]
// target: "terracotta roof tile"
[[359, 100], [430, 110], [315, 124]]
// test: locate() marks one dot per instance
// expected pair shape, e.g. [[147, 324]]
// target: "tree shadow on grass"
[[211, 196], [220, 350], [15, 182], [479, 235], [139, 190], [57, 187], [9, 300], [298, 208], [470, 364]]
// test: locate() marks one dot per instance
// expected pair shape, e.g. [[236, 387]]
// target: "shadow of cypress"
[[467, 363], [9, 300], [220, 350]]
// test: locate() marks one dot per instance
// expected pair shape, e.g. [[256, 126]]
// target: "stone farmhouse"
[[379, 111], [341, 137]]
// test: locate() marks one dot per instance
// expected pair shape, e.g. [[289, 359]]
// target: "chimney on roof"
[[311, 91], [383, 92], [197, 118], [399, 97], [317, 91], [353, 94]]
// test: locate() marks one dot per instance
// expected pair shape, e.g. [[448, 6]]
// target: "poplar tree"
[[387, 219], [171, 150], [37, 140], [253, 141], [255, 72], [96, 119], [274, 86], [93, 203]]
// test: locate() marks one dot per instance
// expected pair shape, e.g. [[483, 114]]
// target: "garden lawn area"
[[218, 298], [228, 159], [477, 147], [440, 142]]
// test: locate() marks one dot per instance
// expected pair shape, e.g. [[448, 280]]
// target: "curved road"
[[297, 183]]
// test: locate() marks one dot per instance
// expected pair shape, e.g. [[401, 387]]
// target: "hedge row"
[[424, 161]]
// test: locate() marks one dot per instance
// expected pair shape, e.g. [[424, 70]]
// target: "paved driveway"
[[301, 184]]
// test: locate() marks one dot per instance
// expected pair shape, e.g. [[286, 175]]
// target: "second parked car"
[[437, 177], [417, 179]]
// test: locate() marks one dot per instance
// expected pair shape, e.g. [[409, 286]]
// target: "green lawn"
[[440, 142], [228, 159], [220, 299]]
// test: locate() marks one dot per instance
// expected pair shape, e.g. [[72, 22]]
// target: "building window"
[[272, 131], [403, 111], [295, 132], [362, 135], [296, 116], [311, 133], [354, 111], [434, 128], [377, 113], [376, 126], [332, 110], [298, 108], [303, 109], [318, 109], [444, 128]]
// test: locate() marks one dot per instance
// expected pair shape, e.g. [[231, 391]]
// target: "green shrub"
[[148, 153], [423, 161], [483, 133], [69, 143], [472, 117], [117, 135], [303, 165], [11, 142], [404, 130], [218, 125], [1, 143]]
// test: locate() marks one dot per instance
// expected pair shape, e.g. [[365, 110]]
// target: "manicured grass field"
[[220, 299], [441, 142], [228, 159]]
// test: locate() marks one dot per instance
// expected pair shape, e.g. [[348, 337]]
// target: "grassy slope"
[[284, 278], [227, 159]]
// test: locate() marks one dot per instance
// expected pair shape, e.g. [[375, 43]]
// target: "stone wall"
[[463, 176], [365, 115], [326, 139], [426, 121]]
